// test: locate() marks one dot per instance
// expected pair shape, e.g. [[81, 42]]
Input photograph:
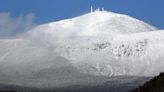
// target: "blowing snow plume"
[[11, 26]]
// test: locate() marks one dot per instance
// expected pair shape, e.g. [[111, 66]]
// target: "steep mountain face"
[[128, 54]]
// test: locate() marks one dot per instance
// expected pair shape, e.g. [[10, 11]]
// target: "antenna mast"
[[102, 9], [91, 9]]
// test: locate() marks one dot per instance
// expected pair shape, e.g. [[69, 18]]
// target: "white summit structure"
[[98, 9]]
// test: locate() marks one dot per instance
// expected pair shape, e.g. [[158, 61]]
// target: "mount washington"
[[99, 46]]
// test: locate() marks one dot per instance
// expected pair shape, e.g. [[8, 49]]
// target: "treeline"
[[7, 91], [154, 85]]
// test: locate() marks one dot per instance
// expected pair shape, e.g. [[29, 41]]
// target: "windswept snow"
[[22, 57], [95, 24]]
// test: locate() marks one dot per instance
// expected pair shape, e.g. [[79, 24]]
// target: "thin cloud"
[[10, 26]]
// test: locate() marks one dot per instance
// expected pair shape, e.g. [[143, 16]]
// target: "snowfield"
[[70, 51]]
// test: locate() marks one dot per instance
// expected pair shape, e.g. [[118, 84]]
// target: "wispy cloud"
[[11, 26]]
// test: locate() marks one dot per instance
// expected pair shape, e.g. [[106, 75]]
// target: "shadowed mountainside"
[[154, 85], [113, 84]]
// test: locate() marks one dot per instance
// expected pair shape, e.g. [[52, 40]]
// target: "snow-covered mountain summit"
[[98, 43], [104, 43], [94, 24]]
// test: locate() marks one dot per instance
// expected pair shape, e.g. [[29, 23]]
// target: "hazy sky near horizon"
[[43, 11]]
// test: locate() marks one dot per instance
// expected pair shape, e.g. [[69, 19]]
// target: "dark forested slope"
[[154, 85]]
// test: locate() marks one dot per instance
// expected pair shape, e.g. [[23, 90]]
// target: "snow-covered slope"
[[125, 54], [95, 24], [97, 43], [22, 57], [104, 43]]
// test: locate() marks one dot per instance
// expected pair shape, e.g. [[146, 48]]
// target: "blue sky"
[[150, 11]]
